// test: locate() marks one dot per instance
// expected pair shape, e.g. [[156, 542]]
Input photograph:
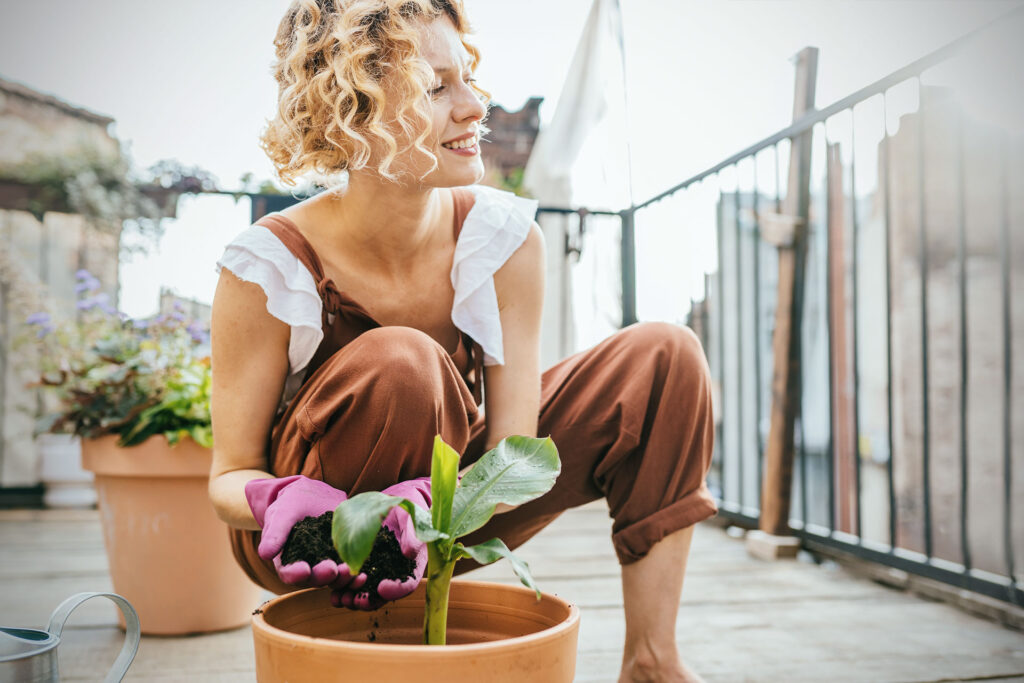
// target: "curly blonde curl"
[[332, 56]]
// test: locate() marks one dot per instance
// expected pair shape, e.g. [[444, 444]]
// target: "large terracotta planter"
[[169, 554], [496, 633]]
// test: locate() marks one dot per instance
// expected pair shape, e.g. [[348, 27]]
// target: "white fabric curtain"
[[580, 159]]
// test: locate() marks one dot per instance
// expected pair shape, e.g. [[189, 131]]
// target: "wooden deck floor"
[[741, 619]]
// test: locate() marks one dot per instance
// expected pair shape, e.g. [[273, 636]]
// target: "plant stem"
[[439, 578]]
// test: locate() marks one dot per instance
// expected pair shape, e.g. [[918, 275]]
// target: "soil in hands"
[[310, 540], [386, 561]]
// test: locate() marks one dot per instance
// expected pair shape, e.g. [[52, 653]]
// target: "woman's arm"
[[512, 390], [249, 356]]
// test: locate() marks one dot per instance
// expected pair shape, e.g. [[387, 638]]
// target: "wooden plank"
[[86, 654], [740, 619], [778, 457], [843, 437]]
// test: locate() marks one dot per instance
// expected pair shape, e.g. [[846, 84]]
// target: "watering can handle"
[[131, 636]]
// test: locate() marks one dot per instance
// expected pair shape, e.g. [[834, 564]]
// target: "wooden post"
[[843, 437], [770, 541]]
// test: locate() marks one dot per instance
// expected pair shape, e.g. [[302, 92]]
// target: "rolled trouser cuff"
[[636, 540]]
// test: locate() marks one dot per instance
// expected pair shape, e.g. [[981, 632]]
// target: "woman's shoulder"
[[256, 255], [501, 207], [494, 229], [257, 248]]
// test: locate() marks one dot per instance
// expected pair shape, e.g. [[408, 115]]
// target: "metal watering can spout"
[[30, 655]]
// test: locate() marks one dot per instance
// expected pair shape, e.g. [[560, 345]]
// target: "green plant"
[[516, 471], [111, 374]]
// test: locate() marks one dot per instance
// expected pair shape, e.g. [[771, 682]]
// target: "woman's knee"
[[402, 363], [676, 348], [401, 353]]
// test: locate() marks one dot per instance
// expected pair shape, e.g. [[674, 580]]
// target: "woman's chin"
[[471, 174]]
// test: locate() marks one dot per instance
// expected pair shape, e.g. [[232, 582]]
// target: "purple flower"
[[141, 324], [199, 335], [86, 304], [87, 283], [83, 274], [177, 316], [40, 318], [44, 330]]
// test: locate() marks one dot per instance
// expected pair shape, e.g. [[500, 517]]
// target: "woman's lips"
[[465, 151]]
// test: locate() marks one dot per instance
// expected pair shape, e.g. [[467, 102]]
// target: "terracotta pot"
[[496, 633], [169, 554]]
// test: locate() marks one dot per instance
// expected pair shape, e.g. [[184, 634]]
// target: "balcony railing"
[[904, 216]]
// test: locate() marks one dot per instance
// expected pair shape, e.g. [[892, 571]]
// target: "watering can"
[[28, 655]]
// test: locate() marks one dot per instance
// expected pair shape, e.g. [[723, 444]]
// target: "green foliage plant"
[[518, 470], [110, 374]]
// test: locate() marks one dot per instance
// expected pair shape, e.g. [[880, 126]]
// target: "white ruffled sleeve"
[[256, 255], [494, 228]]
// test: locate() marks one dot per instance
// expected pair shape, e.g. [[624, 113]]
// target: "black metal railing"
[[859, 309]]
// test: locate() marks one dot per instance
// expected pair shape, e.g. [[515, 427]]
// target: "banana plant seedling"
[[516, 471]]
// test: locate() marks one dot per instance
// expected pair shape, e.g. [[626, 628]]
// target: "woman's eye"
[[436, 91]]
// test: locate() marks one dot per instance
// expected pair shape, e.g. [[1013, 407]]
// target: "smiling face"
[[375, 88], [456, 112]]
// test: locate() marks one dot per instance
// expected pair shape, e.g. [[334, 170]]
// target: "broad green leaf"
[[518, 470], [492, 551], [357, 520], [444, 476]]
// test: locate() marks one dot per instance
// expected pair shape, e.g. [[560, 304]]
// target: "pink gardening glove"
[[401, 524], [277, 505]]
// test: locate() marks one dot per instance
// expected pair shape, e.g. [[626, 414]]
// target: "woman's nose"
[[469, 104]]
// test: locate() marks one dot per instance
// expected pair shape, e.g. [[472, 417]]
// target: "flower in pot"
[[112, 375], [501, 633], [137, 392]]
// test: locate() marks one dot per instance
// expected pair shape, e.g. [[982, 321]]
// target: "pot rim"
[[154, 457], [259, 624]]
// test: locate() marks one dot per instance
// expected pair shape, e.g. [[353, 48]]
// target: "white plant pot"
[[67, 484]]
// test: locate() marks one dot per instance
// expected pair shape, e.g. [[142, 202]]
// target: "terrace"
[[864, 441], [741, 619]]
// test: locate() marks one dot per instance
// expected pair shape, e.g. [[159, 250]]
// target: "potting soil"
[[310, 540], [386, 561]]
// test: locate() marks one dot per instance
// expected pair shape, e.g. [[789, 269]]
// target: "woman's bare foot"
[[648, 669]]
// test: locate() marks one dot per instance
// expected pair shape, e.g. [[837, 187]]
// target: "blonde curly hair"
[[332, 56]]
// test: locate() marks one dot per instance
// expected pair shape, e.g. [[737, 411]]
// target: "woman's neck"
[[388, 225]]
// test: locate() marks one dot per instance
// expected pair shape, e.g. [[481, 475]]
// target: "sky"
[[704, 78]]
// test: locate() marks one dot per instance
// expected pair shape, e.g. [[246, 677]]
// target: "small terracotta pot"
[[169, 553], [496, 633]]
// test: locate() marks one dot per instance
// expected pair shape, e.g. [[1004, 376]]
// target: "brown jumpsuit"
[[631, 418]]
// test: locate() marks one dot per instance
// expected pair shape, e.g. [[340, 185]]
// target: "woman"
[[350, 328]]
